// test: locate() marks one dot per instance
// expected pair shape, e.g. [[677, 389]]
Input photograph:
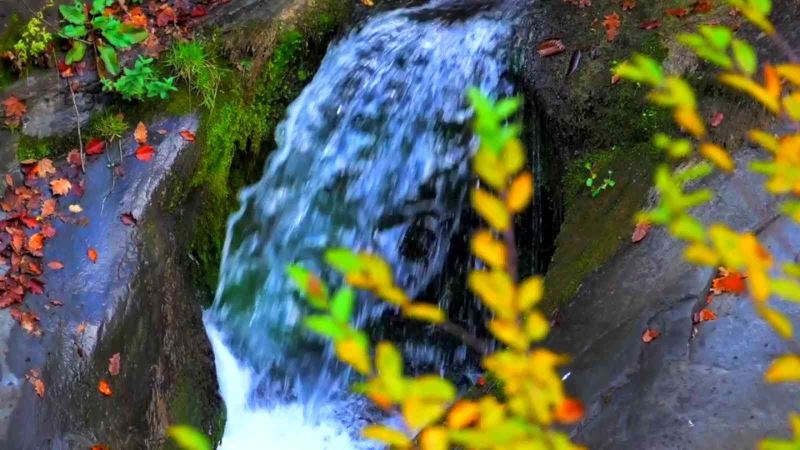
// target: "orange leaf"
[[640, 232], [188, 135], [570, 410], [611, 23], [520, 193], [113, 364], [92, 254], [463, 414], [704, 315], [676, 12], [628, 5], [35, 379], [772, 81], [140, 133], [650, 335], [14, 110], [104, 388], [732, 282], [55, 265], [99, 447], [60, 186], [551, 47], [145, 153]]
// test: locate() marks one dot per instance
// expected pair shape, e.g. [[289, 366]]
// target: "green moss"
[[8, 37], [187, 408], [237, 133]]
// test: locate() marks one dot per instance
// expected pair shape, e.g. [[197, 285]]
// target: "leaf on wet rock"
[[649, 335], [49, 207], [14, 109], [95, 146], [551, 47], [128, 219], [60, 186], [640, 231], [105, 388], [145, 153], [44, 168], [704, 315], [91, 253], [55, 265], [28, 321], [728, 281], [114, 364], [74, 158], [187, 135], [34, 377], [570, 410], [140, 133], [611, 23], [784, 369]]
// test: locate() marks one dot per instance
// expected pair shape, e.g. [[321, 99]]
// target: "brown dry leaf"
[[140, 134], [649, 335], [136, 17], [36, 243], [166, 16], [628, 5], [640, 232], [105, 388], [611, 23], [49, 207], [113, 364], [14, 110], [60, 186], [91, 253], [44, 168], [551, 47]]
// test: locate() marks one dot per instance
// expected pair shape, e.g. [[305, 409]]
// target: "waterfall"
[[373, 155]]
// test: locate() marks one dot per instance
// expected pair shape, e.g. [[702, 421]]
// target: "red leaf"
[[145, 153], [188, 135], [649, 335], [650, 25], [716, 119], [65, 70], [128, 219], [166, 16], [199, 11], [676, 12], [551, 47], [704, 315], [113, 364], [55, 265], [104, 388], [628, 5], [91, 253], [95, 146], [640, 232], [74, 158], [702, 6], [569, 410], [728, 281]]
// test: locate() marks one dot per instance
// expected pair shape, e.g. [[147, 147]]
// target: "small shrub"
[[33, 44], [193, 64], [110, 126], [140, 82]]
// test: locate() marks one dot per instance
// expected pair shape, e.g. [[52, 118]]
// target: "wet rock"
[[135, 300]]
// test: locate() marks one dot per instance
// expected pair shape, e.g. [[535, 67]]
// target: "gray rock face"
[[705, 392], [134, 300]]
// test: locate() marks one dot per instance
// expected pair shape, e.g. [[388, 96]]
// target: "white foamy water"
[[283, 427]]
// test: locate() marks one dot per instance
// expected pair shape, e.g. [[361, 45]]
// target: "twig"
[[468, 339], [78, 123]]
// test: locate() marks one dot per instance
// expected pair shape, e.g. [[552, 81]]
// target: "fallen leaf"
[[95, 146], [611, 23], [704, 315], [136, 17], [44, 168], [628, 5], [676, 12], [74, 158], [145, 153], [28, 321], [105, 388], [165, 16], [65, 70], [55, 265], [14, 109], [34, 378], [36, 244], [702, 6], [198, 11], [650, 25], [92, 254], [640, 231], [650, 335], [551, 47], [81, 328], [56, 303], [99, 447], [128, 219], [60, 186], [140, 134], [188, 135], [113, 364], [728, 281], [716, 119], [75, 208], [570, 410], [49, 207]]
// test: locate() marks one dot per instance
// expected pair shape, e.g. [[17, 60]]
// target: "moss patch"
[[8, 37]]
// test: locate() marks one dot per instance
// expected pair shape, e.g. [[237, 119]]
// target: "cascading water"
[[373, 155]]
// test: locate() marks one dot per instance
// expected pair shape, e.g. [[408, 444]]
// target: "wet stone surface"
[[679, 391]]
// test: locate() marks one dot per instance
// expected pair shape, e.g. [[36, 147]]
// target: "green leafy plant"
[[592, 183], [141, 81], [106, 34], [530, 398], [34, 42], [193, 63]]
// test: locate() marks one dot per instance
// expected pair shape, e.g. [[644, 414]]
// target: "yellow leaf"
[[386, 435], [491, 209], [537, 326], [753, 89], [462, 414], [508, 332], [424, 311], [520, 193], [513, 156], [393, 294], [791, 104], [490, 168], [377, 269], [355, 353], [701, 255], [794, 420], [764, 139], [777, 320], [434, 439], [772, 81], [688, 118], [718, 155], [420, 413], [489, 249], [495, 289], [790, 73], [530, 292], [759, 284], [784, 369]]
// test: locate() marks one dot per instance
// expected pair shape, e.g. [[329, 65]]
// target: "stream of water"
[[374, 155]]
